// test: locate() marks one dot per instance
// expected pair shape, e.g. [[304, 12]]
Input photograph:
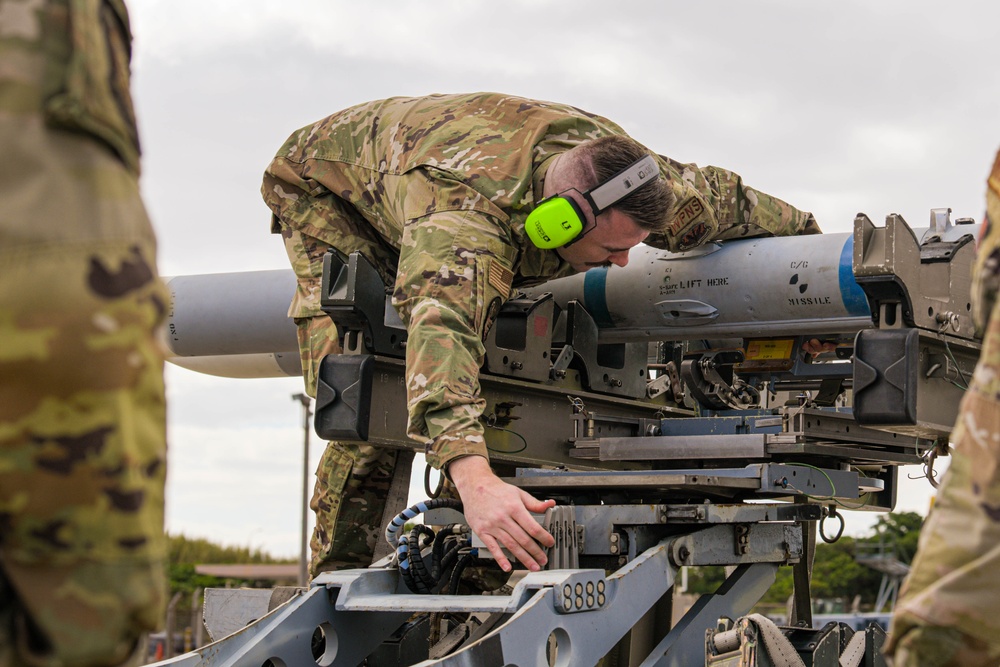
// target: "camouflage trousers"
[[352, 480], [948, 613], [349, 499]]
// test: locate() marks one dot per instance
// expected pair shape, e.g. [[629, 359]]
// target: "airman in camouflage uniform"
[[435, 192], [948, 614], [82, 419]]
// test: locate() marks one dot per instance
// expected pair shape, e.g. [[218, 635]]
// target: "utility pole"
[[304, 553]]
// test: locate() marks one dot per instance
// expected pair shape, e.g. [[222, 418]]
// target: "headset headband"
[[621, 184]]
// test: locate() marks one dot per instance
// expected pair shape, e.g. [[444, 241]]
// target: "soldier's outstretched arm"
[[747, 212], [454, 273], [713, 204]]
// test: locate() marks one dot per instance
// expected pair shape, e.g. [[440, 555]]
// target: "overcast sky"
[[837, 107]]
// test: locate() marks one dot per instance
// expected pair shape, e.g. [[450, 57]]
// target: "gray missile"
[[765, 287], [236, 324], [801, 285]]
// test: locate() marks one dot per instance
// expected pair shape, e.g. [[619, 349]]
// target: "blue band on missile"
[[595, 296], [854, 297]]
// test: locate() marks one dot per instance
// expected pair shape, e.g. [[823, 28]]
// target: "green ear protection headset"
[[559, 221]]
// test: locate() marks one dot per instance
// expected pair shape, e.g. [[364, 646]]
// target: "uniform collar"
[[538, 177], [536, 265]]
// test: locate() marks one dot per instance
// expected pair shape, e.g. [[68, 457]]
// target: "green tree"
[[899, 531], [184, 553], [705, 579], [836, 571], [198, 550]]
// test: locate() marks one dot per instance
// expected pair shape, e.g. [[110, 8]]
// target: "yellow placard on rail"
[[760, 350]]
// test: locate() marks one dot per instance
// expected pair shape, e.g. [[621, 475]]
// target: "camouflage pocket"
[[90, 92], [493, 284], [494, 277], [352, 484], [317, 337]]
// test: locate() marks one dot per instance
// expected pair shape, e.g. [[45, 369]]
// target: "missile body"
[[236, 324], [233, 324], [757, 287]]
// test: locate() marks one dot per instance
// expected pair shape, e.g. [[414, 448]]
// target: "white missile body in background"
[[233, 324], [236, 324], [799, 285]]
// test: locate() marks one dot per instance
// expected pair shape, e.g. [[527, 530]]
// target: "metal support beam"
[[684, 646], [579, 638]]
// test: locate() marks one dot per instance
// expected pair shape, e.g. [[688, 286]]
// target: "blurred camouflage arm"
[[986, 271]]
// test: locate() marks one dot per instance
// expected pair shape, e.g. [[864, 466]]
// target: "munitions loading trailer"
[[721, 444]]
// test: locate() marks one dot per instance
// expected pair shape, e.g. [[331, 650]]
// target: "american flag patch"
[[501, 278]]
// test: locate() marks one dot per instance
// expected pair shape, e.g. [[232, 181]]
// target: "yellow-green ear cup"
[[554, 223]]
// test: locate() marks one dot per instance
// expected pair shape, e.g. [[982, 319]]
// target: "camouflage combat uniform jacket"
[[435, 190]]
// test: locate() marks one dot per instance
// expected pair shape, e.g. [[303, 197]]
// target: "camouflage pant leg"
[[306, 252], [352, 480], [952, 590], [352, 485]]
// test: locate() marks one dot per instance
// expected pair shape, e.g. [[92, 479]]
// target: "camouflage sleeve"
[[454, 273], [746, 212], [713, 204], [986, 272]]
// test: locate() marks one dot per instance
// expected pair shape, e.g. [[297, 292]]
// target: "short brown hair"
[[652, 204]]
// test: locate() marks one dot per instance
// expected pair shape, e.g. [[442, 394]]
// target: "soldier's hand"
[[500, 513]]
